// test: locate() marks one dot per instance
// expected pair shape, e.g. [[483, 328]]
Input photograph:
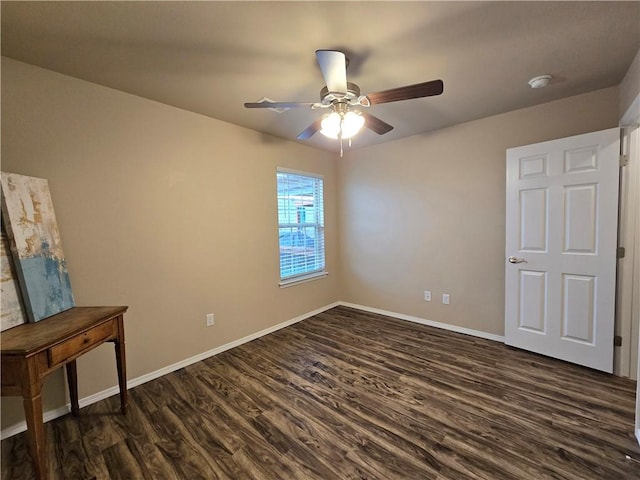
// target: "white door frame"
[[629, 291], [626, 357]]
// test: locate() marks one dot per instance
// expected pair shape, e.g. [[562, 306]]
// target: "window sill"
[[290, 282]]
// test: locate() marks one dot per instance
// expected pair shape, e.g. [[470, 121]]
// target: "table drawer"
[[79, 344]]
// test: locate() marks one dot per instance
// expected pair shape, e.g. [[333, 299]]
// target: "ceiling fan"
[[343, 97]]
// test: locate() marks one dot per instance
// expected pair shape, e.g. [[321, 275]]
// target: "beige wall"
[[630, 86], [169, 212], [427, 212]]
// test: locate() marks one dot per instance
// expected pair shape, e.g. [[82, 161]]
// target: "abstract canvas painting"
[[11, 311], [35, 245]]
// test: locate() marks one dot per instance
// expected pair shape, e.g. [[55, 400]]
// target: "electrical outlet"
[[427, 296], [445, 299], [210, 320]]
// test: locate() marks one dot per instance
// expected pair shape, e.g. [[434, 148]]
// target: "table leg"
[[35, 432], [72, 381], [121, 363]]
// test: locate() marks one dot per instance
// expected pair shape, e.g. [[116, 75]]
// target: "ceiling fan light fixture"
[[336, 125]]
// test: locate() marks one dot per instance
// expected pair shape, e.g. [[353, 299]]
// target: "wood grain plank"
[[123, 462]]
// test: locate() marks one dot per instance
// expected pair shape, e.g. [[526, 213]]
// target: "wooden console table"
[[32, 351]]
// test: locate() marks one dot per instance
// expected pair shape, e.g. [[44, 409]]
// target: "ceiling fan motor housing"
[[352, 95]]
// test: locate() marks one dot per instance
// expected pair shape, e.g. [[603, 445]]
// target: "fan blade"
[[375, 124], [334, 69], [419, 90], [279, 105], [310, 131]]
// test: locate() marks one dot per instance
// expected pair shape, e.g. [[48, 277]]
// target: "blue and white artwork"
[[11, 309], [35, 246]]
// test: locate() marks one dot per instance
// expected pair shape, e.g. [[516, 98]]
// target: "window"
[[300, 226]]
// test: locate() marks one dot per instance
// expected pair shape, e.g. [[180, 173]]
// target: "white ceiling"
[[211, 57]]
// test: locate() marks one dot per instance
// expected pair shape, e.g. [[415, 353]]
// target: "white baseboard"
[[638, 435], [96, 397], [430, 323]]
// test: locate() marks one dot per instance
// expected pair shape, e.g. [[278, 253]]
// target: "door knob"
[[517, 260]]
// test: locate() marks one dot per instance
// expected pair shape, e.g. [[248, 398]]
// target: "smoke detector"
[[540, 81]]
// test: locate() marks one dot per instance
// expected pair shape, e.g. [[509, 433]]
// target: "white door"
[[561, 240]]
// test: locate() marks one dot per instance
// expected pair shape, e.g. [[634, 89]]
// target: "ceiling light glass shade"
[[331, 125], [350, 124]]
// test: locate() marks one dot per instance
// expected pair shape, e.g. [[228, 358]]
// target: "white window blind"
[[300, 225]]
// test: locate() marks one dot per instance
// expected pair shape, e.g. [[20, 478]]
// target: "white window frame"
[[294, 279]]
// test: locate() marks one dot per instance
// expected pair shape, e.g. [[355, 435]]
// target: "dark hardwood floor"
[[353, 395]]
